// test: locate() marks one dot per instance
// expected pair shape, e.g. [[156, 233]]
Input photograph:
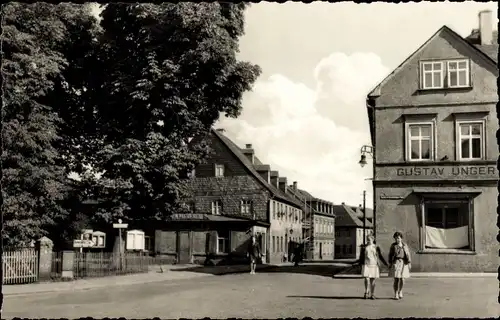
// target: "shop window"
[[223, 242], [447, 224]]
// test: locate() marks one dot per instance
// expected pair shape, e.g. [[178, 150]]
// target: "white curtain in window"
[[453, 238]]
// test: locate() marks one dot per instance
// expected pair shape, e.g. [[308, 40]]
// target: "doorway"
[[184, 247]]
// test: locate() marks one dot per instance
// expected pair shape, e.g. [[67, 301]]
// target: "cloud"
[[313, 135]]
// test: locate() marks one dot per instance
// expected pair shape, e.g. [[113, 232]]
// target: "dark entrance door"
[[184, 247]]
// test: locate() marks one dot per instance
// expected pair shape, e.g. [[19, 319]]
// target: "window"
[[432, 75], [192, 174], [420, 141], [274, 209], [470, 140], [216, 207], [223, 245], [274, 244], [219, 170], [447, 224], [246, 206], [458, 74]]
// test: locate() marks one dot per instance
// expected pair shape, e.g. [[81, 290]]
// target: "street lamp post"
[[368, 150]]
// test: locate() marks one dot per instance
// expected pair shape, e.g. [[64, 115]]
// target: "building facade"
[[349, 231], [233, 196], [433, 124], [318, 225]]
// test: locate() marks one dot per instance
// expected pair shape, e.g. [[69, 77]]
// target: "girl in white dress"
[[370, 259]]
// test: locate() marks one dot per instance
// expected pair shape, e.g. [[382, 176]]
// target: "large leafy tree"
[[166, 73], [34, 183]]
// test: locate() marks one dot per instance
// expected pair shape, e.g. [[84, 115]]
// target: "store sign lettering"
[[454, 171]]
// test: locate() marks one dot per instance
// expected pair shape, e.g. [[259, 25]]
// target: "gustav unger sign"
[[448, 171]]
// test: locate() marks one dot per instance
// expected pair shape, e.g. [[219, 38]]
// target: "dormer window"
[[219, 170], [432, 74], [458, 74]]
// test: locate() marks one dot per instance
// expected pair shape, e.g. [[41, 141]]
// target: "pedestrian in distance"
[[400, 264], [253, 253], [370, 259]]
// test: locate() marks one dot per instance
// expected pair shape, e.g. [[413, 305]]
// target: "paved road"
[[270, 294]]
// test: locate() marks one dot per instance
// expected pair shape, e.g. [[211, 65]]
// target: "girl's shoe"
[[401, 295], [366, 296], [396, 296], [373, 297]]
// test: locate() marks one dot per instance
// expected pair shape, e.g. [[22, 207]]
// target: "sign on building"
[[135, 240]]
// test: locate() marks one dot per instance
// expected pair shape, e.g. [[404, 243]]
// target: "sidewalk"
[[170, 273], [154, 275]]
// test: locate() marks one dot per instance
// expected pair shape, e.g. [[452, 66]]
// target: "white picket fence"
[[20, 266]]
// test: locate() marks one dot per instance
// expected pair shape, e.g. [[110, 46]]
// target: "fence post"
[[44, 248], [68, 262]]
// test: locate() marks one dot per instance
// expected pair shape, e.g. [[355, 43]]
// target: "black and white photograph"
[[249, 160]]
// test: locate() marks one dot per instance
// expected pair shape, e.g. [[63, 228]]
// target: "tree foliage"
[[131, 97], [34, 179], [168, 72]]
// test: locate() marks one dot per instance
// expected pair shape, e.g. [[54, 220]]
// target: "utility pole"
[[364, 217]]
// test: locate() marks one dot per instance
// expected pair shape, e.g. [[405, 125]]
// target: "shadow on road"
[[326, 270], [335, 297]]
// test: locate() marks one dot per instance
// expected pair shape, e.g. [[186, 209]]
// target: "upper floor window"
[[470, 140], [458, 73], [219, 170], [420, 141], [216, 207], [432, 74], [192, 174], [246, 206]]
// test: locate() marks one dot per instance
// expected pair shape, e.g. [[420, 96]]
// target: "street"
[[268, 294]]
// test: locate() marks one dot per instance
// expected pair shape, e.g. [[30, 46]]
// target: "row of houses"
[[234, 195]]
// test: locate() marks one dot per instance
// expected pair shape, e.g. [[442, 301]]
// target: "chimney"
[[295, 186], [248, 152], [283, 185], [343, 203], [274, 179], [485, 27], [220, 130], [264, 171]]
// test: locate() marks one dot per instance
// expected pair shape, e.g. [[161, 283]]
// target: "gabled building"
[[233, 195], [433, 123], [318, 225], [349, 231]]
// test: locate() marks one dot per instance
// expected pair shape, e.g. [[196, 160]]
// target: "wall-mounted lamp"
[[365, 150]]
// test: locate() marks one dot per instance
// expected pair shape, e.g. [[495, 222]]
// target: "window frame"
[[246, 204], [424, 72], [433, 139], [471, 231], [467, 74], [219, 166], [458, 139], [227, 242], [219, 207]]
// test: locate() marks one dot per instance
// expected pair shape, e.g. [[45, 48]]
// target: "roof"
[[181, 217], [304, 196], [491, 49], [359, 212], [238, 152], [346, 217], [482, 52]]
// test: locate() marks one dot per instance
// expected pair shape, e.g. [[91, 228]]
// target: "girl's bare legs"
[[367, 282], [396, 288], [400, 287], [372, 287]]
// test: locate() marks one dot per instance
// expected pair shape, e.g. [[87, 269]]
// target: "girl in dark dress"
[[253, 253]]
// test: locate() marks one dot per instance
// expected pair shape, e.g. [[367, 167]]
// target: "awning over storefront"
[[200, 217], [448, 190]]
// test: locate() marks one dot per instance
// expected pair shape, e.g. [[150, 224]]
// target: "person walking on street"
[[400, 264], [370, 259], [253, 253]]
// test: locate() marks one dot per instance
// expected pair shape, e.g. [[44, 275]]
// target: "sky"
[[306, 115]]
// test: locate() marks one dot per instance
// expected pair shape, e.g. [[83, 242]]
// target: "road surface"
[[269, 294]]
